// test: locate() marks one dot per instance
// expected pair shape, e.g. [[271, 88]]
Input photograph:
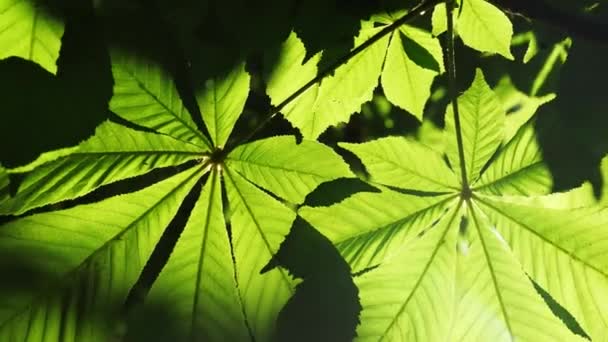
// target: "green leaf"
[[518, 169], [404, 163], [221, 102], [4, 185], [368, 227], [285, 168], [482, 124], [288, 75], [485, 28], [199, 277], [258, 224], [29, 32], [564, 251], [439, 21], [518, 106], [115, 152], [145, 95], [410, 68], [495, 297], [90, 256], [411, 297], [337, 96]]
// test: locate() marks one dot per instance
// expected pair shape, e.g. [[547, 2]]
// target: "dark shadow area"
[[163, 249], [44, 112], [325, 306], [572, 128], [560, 311], [337, 190]]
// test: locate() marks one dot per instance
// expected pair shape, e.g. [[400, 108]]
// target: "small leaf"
[[258, 223], [518, 169], [114, 153], [369, 227], [404, 163], [221, 102], [199, 278], [518, 106], [145, 95], [484, 27], [285, 168], [28, 31], [482, 123], [337, 96], [402, 297], [410, 68]]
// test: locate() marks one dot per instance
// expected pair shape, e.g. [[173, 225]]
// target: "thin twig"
[[451, 71], [422, 7]]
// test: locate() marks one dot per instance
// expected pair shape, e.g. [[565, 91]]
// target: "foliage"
[[221, 196]]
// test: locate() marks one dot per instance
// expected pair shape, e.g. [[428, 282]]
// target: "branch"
[[420, 9], [453, 92], [573, 23]]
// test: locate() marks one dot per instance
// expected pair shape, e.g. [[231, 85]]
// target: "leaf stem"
[[453, 92], [422, 7]]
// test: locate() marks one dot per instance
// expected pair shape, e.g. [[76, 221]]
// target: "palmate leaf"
[[467, 277], [234, 229], [28, 31], [409, 53]]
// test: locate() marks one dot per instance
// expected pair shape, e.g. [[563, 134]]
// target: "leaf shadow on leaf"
[[325, 306], [34, 280], [561, 312], [419, 54], [163, 248], [47, 112], [337, 190]]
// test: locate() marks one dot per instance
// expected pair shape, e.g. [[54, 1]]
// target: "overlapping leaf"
[[232, 219], [408, 53], [480, 25], [85, 259], [29, 31], [462, 275]]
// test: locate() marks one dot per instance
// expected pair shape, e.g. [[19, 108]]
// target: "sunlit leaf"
[[29, 31], [221, 103], [564, 251], [368, 227], [287, 169], [411, 297], [482, 124], [410, 68], [484, 27], [495, 296], [258, 224], [145, 94], [404, 163], [199, 278], [114, 153]]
